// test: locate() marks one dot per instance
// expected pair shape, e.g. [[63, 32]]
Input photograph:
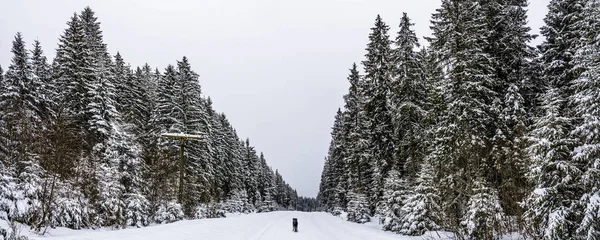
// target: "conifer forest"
[[479, 133], [81, 144]]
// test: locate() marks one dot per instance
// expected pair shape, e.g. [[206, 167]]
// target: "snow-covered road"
[[264, 226]]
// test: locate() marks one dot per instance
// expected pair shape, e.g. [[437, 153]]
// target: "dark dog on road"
[[295, 224]]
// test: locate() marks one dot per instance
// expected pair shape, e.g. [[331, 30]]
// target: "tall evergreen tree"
[[408, 100], [585, 98], [552, 206], [162, 164], [332, 173], [19, 104], [508, 37], [21, 118], [463, 135], [42, 75], [69, 71], [421, 211], [377, 118], [349, 166]]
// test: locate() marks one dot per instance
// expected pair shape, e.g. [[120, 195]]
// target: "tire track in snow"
[[265, 230]]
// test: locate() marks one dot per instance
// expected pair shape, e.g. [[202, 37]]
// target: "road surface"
[[263, 226]]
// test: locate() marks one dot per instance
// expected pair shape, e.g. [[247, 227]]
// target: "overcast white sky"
[[277, 68]]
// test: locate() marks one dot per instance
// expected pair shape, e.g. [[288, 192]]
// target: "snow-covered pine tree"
[[563, 34], [377, 114], [407, 100], [324, 185], [251, 179], [358, 208], [45, 85], [163, 162], [122, 182], [77, 72], [233, 166], [192, 118], [463, 134], [266, 186], [19, 100], [69, 71], [3, 130], [19, 106], [335, 158], [269, 203], [552, 207], [397, 190], [484, 218], [421, 211], [508, 37], [585, 99], [215, 150], [128, 93], [510, 153], [347, 165]]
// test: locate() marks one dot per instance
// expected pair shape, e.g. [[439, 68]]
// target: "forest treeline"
[[479, 133], [81, 144]]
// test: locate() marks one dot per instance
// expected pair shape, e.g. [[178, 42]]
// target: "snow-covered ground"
[[263, 226]]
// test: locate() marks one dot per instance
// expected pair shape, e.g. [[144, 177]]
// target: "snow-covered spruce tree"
[[42, 75], [510, 153], [552, 207], [233, 166], [484, 218], [142, 133], [110, 192], [281, 197], [341, 167], [125, 91], [377, 115], [168, 213], [134, 207], [585, 99], [216, 152], [109, 154], [163, 163], [19, 99], [192, 118], [237, 202], [563, 34], [462, 140], [251, 165], [421, 211], [266, 186], [358, 208], [3, 130], [407, 100], [508, 37], [324, 188], [395, 195], [69, 71], [332, 172]]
